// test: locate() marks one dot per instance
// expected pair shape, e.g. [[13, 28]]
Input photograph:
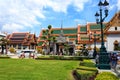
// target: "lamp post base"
[[104, 66], [104, 61]]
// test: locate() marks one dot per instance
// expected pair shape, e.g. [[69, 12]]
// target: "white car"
[[27, 54]]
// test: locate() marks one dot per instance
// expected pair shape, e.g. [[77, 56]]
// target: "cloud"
[[79, 4], [12, 27], [118, 4], [18, 15], [58, 5], [80, 21]]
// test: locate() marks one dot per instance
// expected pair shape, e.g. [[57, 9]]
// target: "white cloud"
[[112, 7], [80, 21], [58, 5], [79, 4], [12, 27], [118, 4], [17, 15]]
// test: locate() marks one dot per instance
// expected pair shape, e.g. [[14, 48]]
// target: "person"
[[22, 55], [97, 59], [113, 60], [118, 59]]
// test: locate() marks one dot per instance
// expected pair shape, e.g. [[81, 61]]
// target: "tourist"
[[118, 59], [97, 59], [113, 60]]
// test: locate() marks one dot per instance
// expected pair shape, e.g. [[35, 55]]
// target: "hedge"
[[86, 70], [106, 76], [56, 57], [4, 57]]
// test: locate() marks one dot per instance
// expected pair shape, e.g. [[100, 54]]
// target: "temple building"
[[22, 40], [112, 31], [64, 36], [88, 34]]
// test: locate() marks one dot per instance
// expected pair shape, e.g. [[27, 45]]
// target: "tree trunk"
[[2, 52]]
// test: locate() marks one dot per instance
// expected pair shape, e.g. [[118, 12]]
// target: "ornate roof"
[[112, 24], [22, 38]]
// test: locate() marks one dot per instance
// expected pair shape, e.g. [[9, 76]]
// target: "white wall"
[[113, 28], [110, 41]]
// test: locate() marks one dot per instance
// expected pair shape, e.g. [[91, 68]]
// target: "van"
[[27, 54]]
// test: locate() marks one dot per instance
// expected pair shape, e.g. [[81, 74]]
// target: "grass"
[[29, 69]]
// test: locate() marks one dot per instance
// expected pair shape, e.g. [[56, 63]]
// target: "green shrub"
[[4, 57], [44, 58], [86, 74], [57, 57], [86, 70], [87, 63], [12, 50], [106, 76]]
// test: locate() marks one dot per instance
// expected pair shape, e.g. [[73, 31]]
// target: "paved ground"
[[13, 55]]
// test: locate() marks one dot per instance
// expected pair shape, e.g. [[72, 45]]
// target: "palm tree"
[[3, 43], [66, 47], [47, 36]]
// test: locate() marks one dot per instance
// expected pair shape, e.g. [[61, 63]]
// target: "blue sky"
[[34, 15]]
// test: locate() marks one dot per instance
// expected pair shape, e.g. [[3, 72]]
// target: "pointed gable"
[[113, 26]]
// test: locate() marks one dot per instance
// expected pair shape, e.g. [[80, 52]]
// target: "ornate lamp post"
[[103, 56]]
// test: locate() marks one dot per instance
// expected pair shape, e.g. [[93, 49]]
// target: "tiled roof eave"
[[113, 32]]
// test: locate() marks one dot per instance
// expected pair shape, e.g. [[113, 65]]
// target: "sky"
[[35, 15]]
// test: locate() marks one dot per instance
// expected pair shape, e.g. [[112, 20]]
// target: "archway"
[[116, 43]]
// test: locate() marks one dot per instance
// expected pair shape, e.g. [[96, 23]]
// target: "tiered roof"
[[22, 38], [70, 33]]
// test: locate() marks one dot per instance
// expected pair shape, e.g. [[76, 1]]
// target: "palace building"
[[87, 34], [22, 40], [63, 36]]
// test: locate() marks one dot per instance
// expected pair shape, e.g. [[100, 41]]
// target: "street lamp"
[[103, 56]]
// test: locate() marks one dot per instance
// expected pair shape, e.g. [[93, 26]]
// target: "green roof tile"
[[56, 31], [72, 36], [83, 29], [70, 31], [97, 26], [66, 31]]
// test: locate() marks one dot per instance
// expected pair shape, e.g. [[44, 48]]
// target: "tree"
[[66, 47], [54, 41], [3, 43], [12, 50], [47, 36]]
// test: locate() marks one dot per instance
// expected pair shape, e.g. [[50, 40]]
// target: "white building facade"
[[112, 32]]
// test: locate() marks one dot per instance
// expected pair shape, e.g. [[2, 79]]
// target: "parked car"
[[28, 54]]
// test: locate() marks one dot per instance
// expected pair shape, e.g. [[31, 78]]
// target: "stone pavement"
[[15, 56]]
